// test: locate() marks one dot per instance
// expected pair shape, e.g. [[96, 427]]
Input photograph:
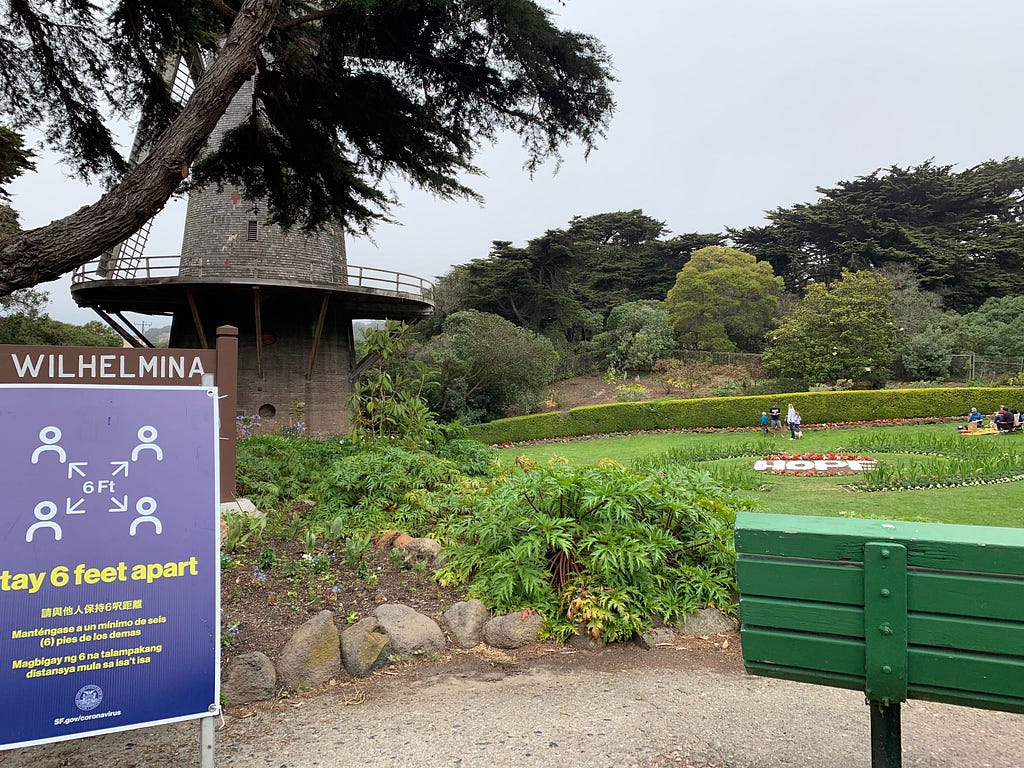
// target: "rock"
[[421, 551], [400, 541], [239, 507], [582, 640], [386, 540], [709, 621], [513, 630], [302, 507], [654, 637], [465, 622], [250, 677], [312, 655], [365, 646], [410, 632]]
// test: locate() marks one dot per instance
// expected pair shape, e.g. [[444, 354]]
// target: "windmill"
[[293, 296]]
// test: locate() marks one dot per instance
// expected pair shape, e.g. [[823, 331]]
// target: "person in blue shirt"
[[764, 422], [974, 415]]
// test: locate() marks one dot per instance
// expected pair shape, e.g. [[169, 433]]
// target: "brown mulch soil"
[[271, 588]]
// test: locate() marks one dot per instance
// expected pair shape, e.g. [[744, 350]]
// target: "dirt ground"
[[267, 592], [670, 379], [686, 704]]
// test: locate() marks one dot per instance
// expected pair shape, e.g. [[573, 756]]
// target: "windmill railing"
[[169, 267]]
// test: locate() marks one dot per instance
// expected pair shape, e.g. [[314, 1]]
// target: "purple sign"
[[109, 572]]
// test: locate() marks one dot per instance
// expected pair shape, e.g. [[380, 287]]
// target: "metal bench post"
[[886, 741]]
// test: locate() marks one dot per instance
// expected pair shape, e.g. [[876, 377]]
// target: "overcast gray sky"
[[725, 110]]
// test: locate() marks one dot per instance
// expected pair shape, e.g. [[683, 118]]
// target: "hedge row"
[[814, 408]]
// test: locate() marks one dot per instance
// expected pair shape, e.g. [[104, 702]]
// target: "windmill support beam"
[[317, 335], [194, 308], [143, 341], [257, 309]]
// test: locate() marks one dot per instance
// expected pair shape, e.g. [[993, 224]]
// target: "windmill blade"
[[180, 74]]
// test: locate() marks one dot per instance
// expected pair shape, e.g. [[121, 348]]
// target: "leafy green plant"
[[631, 392], [276, 471], [356, 547], [241, 528], [228, 636], [387, 407], [603, 546], [267, 558], [388, 488]]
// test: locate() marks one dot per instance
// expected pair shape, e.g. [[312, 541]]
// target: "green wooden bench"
[[898, 610]]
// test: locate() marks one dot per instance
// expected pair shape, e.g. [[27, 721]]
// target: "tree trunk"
[[45, 253]]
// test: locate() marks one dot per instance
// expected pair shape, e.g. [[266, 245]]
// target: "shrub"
[[600, 549], [775, 387], [814, 407], [637, 334], [386, 487], [631, 393], [277, 470], [926, 355], [486, 367], [469, 456]]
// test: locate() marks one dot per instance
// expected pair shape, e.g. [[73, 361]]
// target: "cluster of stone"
[[317, 652]]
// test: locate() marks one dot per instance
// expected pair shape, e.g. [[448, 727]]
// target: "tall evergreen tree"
[[565, 282], [962, 233], [344, 93]]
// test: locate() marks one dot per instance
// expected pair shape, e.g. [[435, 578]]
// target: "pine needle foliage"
[[599, 549]]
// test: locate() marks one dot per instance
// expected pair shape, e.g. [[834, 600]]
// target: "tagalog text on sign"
[[109, 572]]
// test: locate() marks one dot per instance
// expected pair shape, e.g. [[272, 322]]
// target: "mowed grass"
[[1000, 504]]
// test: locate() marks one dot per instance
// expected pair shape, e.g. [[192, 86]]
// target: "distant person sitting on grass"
[[1005, 419], [974, 420]]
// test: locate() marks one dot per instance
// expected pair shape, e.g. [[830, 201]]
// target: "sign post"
[[109, 571]]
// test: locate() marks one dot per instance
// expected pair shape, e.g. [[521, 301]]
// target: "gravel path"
[[618, 708]]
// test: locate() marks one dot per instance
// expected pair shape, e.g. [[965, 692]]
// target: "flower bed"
[[814, 464]]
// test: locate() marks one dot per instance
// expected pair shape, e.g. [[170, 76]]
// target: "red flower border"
[[815, 457]]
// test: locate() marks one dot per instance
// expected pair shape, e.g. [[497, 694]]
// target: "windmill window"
[[252, 229]]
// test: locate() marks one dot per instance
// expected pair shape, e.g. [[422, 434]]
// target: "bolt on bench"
[[899, 610]]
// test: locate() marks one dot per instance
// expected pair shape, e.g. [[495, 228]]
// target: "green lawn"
[[999, 504]]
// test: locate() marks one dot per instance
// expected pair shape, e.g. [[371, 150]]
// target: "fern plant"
[[601, 549]]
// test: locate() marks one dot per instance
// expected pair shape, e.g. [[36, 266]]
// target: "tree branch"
[[298, 21], [47, 252]]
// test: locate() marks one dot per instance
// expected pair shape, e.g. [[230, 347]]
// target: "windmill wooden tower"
[[292, 296]]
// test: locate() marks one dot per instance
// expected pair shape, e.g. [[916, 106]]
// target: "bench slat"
[[843, 656], [977, 635], [939, 547], [820, 582], [822, 618], [987, 597], [966, 672]]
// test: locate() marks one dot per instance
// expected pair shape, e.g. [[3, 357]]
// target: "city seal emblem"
[[88, 697]]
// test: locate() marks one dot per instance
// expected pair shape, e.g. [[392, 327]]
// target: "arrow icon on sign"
[[72, 509], [76, 466], [118, 467], [119, 505]]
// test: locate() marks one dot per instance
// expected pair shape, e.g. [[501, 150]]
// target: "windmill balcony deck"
[[155, 285]]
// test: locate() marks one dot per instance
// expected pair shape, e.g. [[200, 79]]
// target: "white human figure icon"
[[49, 436], [147, 435], [146, 506], [44, 512]]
